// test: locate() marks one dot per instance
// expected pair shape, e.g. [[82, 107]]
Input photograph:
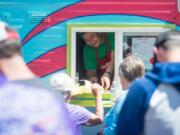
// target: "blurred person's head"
[[63, 83], [131, 68], [167, 47], [9, 42], [12, 64], [93, 39], [126, 50]]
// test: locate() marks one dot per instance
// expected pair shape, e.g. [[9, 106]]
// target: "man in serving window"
[[98, 55]]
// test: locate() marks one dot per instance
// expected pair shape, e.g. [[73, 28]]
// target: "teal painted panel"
[[178, 28], [56, 35], [20, 13]]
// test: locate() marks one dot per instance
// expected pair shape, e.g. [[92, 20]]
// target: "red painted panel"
[[49, 62], [160, 9]]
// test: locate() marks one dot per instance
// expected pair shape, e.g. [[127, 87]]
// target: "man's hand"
[[105, 81]]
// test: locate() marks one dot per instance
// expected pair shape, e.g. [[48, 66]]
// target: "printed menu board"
[[143, 48]]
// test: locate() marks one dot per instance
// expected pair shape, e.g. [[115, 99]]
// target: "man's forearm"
[[110, 67], [99, 107]]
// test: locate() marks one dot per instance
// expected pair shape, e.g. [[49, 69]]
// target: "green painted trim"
[[82, 99], [88, 100], [104, 96], [90, 103], [68, 51], [172, 26]]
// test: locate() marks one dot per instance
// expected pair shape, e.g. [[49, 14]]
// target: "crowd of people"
[[148, 104]]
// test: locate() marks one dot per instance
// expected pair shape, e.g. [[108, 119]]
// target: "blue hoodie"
[[131, 118]]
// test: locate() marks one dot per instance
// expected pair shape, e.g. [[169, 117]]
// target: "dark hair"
[[10, 46], [168, 40], [127, 52], [131, 68]]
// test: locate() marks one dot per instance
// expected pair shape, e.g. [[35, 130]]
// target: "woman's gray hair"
[[63, 83], [131, 68]]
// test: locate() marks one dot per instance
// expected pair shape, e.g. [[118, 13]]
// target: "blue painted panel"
[[178, 28], [56, 36], [18, 13]]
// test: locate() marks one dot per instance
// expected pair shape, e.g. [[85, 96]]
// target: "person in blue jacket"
[[152, 106], [130, 69]]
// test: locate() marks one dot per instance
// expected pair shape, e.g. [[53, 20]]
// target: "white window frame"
[[118, 42], [178, 5]]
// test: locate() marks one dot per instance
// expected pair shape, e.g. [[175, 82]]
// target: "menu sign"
[[143, 48]]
